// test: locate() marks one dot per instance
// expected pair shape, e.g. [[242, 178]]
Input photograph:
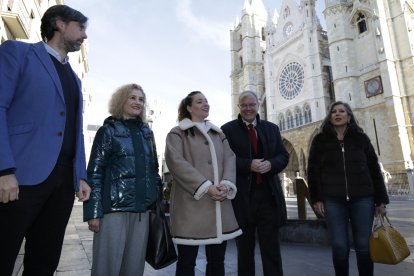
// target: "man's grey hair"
[[248, 93]]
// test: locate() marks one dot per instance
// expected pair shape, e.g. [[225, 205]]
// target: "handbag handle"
[[381, 221], [160, 205]]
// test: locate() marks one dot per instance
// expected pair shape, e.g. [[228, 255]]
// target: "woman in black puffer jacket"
[[346, 184], [123, 175]]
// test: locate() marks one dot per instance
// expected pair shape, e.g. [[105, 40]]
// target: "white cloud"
[[205, 29]]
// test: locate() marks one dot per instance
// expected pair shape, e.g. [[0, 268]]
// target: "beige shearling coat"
[[198, 156]]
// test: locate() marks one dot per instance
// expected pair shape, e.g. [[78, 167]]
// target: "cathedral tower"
[[248, 45], [285, 59], [297, 67], [371, 49], [297, 73]]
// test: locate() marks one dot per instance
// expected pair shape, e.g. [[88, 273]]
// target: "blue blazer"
[[32, 114]]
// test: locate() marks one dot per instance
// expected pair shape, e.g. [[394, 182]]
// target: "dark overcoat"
[[273, 150]]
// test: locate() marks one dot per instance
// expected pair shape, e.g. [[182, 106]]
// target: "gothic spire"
[[258, 7], [247, 8]]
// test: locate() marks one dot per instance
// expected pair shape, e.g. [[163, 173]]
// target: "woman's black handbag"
[[160, 248]]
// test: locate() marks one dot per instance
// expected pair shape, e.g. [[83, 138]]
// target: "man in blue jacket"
[[42, 157], [259, 204]]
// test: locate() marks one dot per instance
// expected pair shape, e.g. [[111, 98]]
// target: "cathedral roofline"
[[254, 7], [258, 7]]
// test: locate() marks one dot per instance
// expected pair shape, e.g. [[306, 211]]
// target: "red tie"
[[253, 139]]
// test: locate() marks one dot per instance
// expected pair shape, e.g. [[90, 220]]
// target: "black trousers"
[[187, 255], [40, 215], [262, 219]]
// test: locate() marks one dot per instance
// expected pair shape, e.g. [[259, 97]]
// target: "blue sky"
[[169, 47]]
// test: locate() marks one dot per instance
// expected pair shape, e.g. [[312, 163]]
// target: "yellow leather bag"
[[386, 244]]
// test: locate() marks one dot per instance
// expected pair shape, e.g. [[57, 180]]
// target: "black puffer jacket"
[[123, 169], [344, 168]]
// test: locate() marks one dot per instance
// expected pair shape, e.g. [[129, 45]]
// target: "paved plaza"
[[298, 259]]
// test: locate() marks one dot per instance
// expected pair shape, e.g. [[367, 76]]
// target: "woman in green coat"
[[123, 175]]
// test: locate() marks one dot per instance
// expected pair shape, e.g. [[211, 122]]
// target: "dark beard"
[[72, 46]]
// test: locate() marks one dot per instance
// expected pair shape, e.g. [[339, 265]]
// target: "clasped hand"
[[217, 192], [260, 166]]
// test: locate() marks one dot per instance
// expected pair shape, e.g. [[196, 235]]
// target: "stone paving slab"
[[298, 259]]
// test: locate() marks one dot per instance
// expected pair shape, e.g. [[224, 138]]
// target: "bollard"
[[301, 194]]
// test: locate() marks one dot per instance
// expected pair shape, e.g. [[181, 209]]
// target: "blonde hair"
[[119, 98]]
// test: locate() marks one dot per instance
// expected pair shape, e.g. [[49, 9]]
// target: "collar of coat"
[[240, 120], [113, 120], [187, 124]]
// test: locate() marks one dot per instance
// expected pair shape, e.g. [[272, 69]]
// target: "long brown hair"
[[326, 126], [182, 108]]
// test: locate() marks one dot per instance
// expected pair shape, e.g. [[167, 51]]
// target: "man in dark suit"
[[259, 204], [42, 157]]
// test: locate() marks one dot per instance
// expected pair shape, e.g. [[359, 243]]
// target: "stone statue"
[[287, 185]]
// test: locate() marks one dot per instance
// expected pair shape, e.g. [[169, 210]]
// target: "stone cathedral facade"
[[365, 58]]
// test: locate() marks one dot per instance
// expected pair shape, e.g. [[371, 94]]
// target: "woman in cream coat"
[[203, 167]]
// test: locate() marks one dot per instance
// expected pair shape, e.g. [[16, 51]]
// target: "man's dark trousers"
[[30, 217], [262, 217]]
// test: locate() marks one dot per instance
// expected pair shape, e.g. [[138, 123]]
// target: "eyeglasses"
[[245, 106]]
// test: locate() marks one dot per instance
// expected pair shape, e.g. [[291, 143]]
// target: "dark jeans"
[[360, 212], [262, 219], [40, 215], [187, 255]]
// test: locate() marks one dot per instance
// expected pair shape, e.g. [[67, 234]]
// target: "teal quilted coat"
[[123, 169]]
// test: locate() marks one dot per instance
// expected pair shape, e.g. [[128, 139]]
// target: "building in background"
[[89, 137], [161, 122], [21, 19], [297, 69]]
